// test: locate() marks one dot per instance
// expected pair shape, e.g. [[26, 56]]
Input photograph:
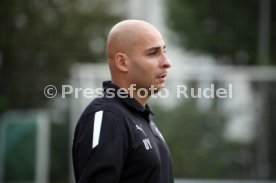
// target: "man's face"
[[148, 61]]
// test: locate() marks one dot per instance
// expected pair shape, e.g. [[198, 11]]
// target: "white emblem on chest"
[[145, 141], [147, 144], [141, 129]]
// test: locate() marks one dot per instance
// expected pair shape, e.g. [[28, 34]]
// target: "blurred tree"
[[40, 39], [199, 149], [235, 32], [228, 30]]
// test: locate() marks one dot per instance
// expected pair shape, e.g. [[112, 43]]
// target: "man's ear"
[[121, 61]]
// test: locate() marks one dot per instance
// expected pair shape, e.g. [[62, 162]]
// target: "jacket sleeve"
[[99, 148]]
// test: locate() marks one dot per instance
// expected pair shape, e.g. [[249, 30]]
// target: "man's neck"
[[133, 93], [143, 101]]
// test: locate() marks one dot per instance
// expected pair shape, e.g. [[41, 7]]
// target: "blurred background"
[[62, 42]]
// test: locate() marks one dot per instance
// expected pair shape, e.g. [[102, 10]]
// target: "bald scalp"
[[124, 35]]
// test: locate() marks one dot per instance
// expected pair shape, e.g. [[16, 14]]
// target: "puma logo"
[[141, 129]]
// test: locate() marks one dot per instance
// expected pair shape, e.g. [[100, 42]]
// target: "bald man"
[[116, 140]]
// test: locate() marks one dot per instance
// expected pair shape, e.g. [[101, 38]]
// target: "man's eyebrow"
[[155, 48]]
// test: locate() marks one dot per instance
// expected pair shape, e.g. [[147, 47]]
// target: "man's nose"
[[165, 63]]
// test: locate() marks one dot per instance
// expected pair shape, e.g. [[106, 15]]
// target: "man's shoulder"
[[105, 104], [111, 112]]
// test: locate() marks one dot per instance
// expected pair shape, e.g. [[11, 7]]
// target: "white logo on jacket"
[[145, 141], [141, 129], [147, 144]]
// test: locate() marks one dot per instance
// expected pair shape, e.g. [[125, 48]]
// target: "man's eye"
[[153, 53]]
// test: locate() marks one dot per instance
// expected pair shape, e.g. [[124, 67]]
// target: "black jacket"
[[116, 141]]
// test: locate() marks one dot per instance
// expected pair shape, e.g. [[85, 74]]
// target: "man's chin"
[[159, 87]]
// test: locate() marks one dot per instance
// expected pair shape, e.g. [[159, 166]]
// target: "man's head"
[[136, 55]]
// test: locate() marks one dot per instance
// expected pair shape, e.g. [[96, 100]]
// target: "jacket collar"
[[130, 101]]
